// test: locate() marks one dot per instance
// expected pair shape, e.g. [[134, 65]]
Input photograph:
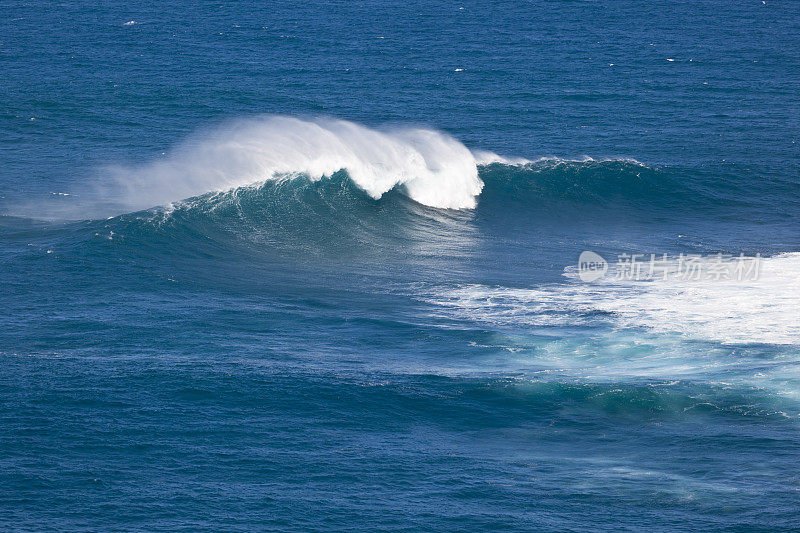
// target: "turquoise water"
[[264, 268]]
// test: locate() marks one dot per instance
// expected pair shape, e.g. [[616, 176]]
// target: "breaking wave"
[[429, 166]]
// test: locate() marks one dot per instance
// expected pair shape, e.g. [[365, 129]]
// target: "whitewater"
[[431, 167]]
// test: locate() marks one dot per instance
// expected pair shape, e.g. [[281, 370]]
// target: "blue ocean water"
[[263, 267]]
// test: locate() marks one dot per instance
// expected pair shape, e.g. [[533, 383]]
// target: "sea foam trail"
[[760, 310], [431, 167]]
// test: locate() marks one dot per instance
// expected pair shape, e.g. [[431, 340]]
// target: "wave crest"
[[429, 166]]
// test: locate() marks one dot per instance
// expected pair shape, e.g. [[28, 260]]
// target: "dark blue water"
[[260, 271]]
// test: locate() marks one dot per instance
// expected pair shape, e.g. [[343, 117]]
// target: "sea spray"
[[431, 167]]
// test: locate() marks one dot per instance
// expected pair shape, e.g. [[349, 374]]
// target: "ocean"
[[429, 266]]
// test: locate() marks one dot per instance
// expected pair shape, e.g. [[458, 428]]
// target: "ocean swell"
[[427, 166]]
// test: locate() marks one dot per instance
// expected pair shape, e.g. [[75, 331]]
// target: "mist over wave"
[[429, 166]]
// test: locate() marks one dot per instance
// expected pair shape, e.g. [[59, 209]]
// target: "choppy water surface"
[[314, 266]]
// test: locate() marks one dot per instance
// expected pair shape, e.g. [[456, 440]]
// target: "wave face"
[[429, 166]]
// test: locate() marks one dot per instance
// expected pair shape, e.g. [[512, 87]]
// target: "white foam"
[[763, 310], [485, 157], [431, 167]]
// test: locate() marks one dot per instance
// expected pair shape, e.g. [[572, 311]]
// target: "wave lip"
[[429, 166]]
